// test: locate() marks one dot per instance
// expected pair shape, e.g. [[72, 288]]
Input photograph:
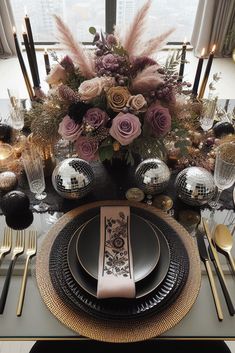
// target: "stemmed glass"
[[33, 166], [16, 111], [224, 173]]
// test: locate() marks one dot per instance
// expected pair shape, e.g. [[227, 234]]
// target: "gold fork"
[[17, 250], [30, 252], [5, 247]]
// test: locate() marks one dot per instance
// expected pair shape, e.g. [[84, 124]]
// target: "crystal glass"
[[207, 118], [224, 173], [33, 166]]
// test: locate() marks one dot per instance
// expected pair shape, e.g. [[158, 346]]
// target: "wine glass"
[[33, 166], [224, 173]]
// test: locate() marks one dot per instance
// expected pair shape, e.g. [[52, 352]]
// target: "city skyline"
[[79, 16]]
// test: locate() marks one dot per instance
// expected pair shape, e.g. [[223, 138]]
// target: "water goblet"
[[224, 173], [33, 166]]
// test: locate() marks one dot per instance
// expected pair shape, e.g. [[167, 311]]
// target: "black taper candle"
[[198, 74], [182, 62], [30, 60], [23, 68], [32, 48], [47, 62], [207, 73]]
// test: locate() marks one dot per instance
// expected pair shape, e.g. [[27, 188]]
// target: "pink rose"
[[95, 117], [110, 62], [87, 148], [159, 119], [125, 128], [57, 75], [69, 130]]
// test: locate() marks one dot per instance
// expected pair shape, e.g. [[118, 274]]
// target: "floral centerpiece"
[[116, 100]]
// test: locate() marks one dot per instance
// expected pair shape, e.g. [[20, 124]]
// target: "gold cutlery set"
[[16, 250], [220, 241]]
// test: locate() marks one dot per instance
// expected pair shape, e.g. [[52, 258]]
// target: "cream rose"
[[90, 89], [57, 75], [137, 103]]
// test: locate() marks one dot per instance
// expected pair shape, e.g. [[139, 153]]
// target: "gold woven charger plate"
[[118, 331]]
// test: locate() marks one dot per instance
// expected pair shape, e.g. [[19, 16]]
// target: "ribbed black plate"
[[68, 289]]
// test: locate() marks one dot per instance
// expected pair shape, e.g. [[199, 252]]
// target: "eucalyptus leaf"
[[92, 30]]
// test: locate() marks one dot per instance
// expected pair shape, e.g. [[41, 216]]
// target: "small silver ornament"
[[8, 181], [73, 178], [195, 186], [152, 176]]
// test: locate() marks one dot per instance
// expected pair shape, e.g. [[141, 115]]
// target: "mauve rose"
[[57, 75], [125, 128], [87, 148], [69, 130], [95, 117], [158, 117], [110, 62]]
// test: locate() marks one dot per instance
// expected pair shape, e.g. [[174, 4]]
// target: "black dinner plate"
[[147, 285], [118, 308], [144, 244]]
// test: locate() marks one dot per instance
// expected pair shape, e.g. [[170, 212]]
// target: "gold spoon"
[[224, 241]]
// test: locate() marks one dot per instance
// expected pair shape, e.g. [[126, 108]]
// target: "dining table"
[[38, 322]]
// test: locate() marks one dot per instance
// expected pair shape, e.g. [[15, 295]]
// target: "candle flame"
[[45, 50], [23, 29], [203, 52], [25, 10], [14, 29], [185, 40], [213, 48]]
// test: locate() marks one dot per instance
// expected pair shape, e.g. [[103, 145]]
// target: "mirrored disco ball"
[[195, 186], [152, 176], [73, 178]]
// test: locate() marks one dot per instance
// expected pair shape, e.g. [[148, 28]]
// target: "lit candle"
[[207, 73], [182, 62], [30, 59], [22, 65], [6, 153], [198, 74], [31, 45], [47, 62]]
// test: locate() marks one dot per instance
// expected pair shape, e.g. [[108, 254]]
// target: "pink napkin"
[[115, 269]]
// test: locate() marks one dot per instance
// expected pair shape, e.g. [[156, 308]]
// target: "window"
[[163, 15], [81, 14], [78, 14]]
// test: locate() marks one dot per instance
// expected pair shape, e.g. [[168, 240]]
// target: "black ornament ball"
[[14, 202], [21, 220], [223, 128], [5, 133]]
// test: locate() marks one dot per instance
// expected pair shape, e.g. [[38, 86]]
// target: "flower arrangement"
[[116, 100]]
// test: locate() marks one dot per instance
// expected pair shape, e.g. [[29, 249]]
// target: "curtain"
[[7, 47], [214, 24]]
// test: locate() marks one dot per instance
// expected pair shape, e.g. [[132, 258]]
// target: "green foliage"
[[173, 61], [106, 149]]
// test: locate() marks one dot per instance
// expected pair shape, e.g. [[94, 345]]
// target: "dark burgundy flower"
[[78, 110], [159, 119]]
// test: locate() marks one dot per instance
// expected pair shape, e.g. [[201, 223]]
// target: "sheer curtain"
[[7, 47], [214, 24]]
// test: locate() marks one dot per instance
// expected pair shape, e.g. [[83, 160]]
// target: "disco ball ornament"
[[73, 178], [152, 176], [195, 186]]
